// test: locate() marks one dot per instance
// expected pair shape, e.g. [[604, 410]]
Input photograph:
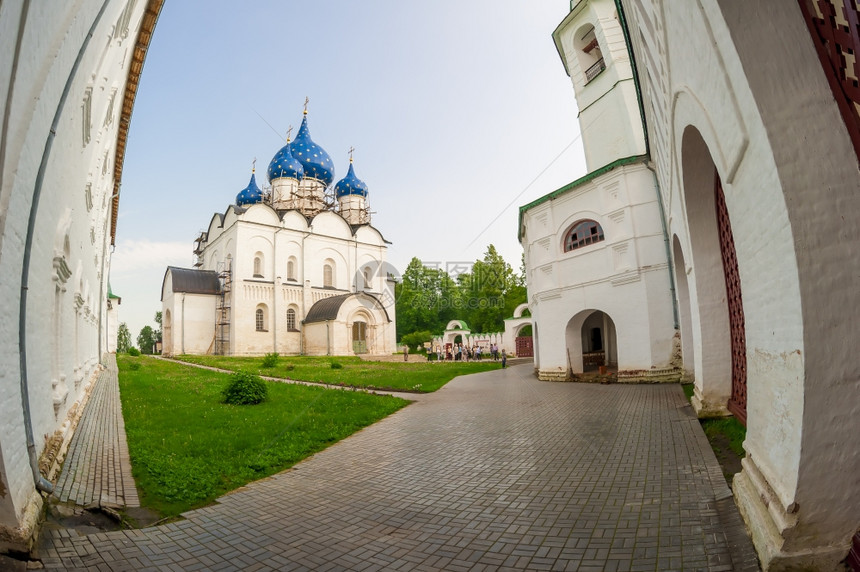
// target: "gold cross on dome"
[[254, 165], [289, 133], [307, 100], [351, 149]]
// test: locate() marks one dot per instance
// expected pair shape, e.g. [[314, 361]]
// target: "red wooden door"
[[524, 346], [738, 401]]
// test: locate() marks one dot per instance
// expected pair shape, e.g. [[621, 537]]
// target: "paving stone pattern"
[[97, 470], [495, 471]]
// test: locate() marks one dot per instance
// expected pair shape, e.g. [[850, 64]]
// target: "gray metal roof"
[[327, 308], [193, 281]]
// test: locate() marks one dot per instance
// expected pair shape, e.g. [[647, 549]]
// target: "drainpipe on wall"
[[302, 339], [328, 337], [276, 288], [41, 483], [183, 323], [669, 263]]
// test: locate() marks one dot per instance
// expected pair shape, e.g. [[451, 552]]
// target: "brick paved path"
[[496, 470], [97, 470]]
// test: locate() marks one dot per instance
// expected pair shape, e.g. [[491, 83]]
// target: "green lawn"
[[187, 448], [418, 377]]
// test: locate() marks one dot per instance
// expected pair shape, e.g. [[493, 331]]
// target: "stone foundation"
[[705, 408], [654, 375], [661, 375], [553, 374], [772, 527], [22, 539]]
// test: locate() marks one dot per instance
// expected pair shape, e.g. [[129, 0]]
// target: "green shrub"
[[134, 366], [245, 388], [270, 360], [290, 367], [336, 365], [133, 351]]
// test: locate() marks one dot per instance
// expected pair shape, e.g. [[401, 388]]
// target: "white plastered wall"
[[745, 83], [66, 320], [625, 276]]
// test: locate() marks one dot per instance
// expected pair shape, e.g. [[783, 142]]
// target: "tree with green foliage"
[[493, 292], [146, 339], [157, 333], [123, 338], [429, 298], [416, 339]]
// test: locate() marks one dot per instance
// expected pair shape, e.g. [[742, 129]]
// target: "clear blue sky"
[[455, 110]]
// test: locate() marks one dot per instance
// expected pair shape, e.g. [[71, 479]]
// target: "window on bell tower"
[[588, 53]]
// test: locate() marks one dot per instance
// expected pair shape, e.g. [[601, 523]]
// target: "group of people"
[[460, 352]]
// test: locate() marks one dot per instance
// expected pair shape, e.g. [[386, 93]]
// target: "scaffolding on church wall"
[[222, 312]]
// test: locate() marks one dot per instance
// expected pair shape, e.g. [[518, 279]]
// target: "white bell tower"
[[591, 43]]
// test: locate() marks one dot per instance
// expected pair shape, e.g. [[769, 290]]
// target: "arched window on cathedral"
[[328, 274], [291, 320], [261, 319], [581, 234], [366, 277], [258, 265], [291, 269]]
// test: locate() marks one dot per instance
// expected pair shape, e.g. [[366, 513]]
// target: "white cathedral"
[[295, 269]]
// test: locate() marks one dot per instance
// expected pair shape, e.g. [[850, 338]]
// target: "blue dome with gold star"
[[284, 165], [350, 185], [316, 162], [250, 194]]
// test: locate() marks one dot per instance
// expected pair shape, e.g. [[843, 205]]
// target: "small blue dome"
[[284, 165], [350, 185], [316, 162], [250, 194]]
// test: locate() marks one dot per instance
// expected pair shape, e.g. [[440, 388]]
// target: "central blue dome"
[[350, 185], [284, 165], [250, 194], [316, 162]]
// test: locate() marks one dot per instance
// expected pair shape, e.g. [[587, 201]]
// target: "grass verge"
[[726, 436], [416, 377], [187, 448]]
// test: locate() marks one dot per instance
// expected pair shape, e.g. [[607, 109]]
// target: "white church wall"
[[215, 227], [321, 251], [756, 96], [112, 325], [192, 329], [318, 339], [261, 214], [294, 220], [369, 235], [66, 321], [331, 224], [625, 275]]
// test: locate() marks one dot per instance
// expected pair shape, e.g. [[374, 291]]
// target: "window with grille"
[[582, 234], [328, 276], [291, 320], [261, 319], [258, 267]]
